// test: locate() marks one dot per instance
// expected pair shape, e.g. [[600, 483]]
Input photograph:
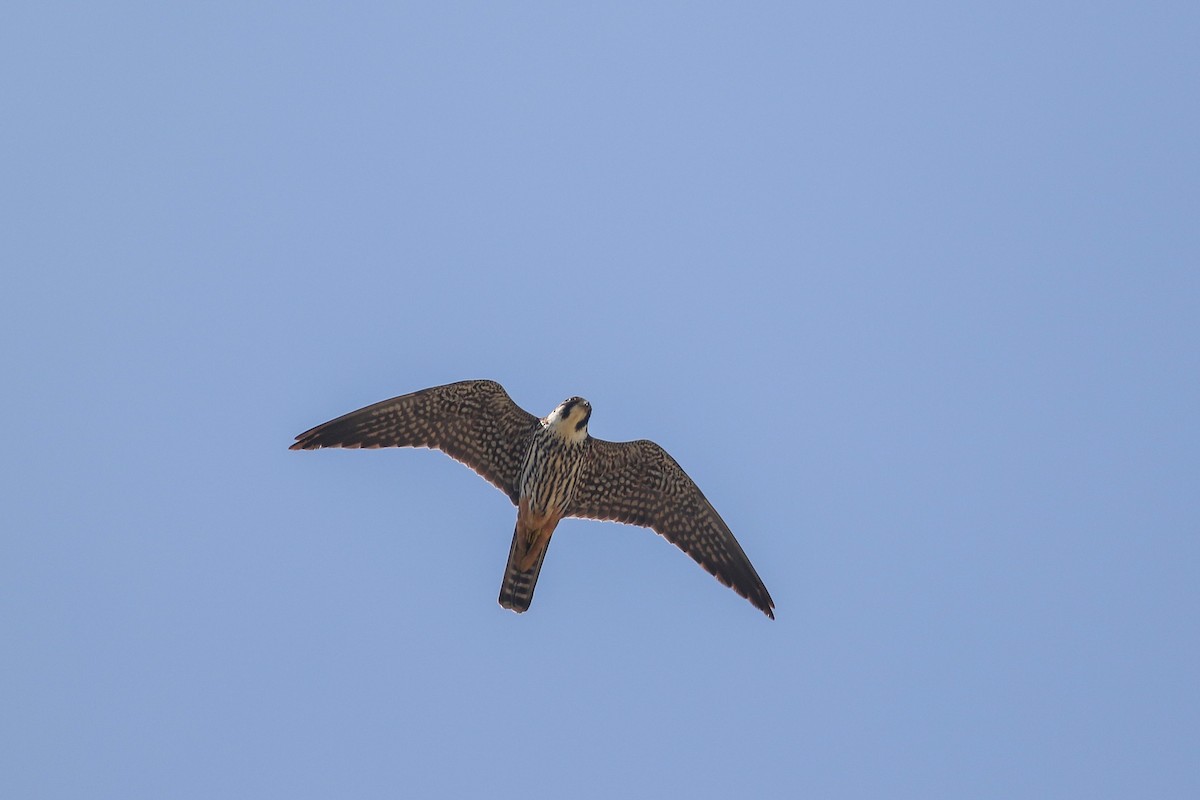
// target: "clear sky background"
[[910, 290]]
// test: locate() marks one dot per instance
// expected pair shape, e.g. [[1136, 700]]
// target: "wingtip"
[[763, 602], [306, 441], [765, 605], [768, 605]]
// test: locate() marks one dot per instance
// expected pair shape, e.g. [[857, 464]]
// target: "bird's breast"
[[550, 473]]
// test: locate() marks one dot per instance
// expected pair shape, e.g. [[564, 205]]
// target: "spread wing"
[[638, 483], [475, 422]]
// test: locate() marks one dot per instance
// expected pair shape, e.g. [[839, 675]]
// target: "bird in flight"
[[551, 468]]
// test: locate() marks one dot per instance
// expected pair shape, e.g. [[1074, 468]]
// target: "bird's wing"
[[638, 483], [475, 422]]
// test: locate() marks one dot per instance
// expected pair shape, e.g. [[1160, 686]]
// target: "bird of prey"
[[551, 468]]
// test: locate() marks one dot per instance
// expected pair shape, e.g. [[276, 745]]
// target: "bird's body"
[[549, 475], [551, 468]]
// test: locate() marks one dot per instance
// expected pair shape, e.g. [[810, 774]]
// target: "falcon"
[[551, 468]]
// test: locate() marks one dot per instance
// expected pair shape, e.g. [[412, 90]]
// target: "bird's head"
[[570, 419]]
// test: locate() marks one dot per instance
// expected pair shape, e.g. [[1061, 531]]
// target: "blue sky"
[[911, 292]]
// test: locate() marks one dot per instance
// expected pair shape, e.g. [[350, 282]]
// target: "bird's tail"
[[528, 549]]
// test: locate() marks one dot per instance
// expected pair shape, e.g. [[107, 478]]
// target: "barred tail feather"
[[516, 592]]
